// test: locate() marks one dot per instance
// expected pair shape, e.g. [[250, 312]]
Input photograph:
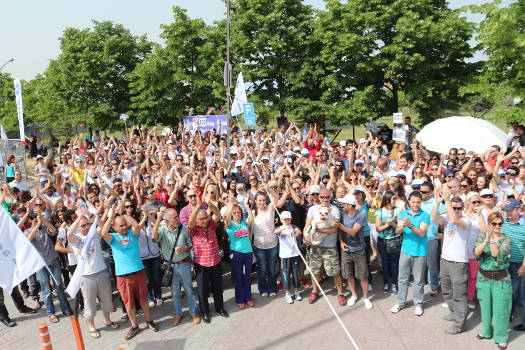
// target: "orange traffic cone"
[[45, 338]]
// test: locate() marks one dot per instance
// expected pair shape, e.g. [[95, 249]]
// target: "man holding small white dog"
[[353, 255], [325, 254]]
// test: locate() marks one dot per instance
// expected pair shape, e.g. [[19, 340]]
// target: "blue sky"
[[29, 29]]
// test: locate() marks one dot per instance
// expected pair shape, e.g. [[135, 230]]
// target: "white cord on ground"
[[300, 254]]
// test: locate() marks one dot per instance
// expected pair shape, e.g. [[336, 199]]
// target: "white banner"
[[19, 108], [74, 283], [3, 135], [19, 259], [240, 96]]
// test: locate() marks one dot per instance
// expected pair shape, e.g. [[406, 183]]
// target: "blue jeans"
[[266, 273], [432, 263], [389, 262], [152, 269], [290, 266], [241, 264], [416, 265], [182, 277], [518, 288], [45, 285]]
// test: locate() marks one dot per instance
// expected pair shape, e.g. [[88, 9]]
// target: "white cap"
[[288, 153], [417, 182], [286, 215], [486, 191], [315, 189], [39, 157], [342, 143], [305, 152], [359, 188], [289, 160], [238, 163], [92, 150], [106, 148], [233, 150], [362, 140], [169, 142], [471, 194], [359, 161], [348, 199], [265, 158], [297, 149]]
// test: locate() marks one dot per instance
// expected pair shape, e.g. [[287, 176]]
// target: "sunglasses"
[[464, 185], [424, 192], [128, 206], [171, 184], [514, 163], [476, 202], [461, 154], [497, 224], [38, 204], [324, 197], [512, 174], [487, 196], [457, 208]]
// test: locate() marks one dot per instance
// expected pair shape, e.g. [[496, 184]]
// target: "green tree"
[[184, 73], [502, 37], [8, 116], [90, 76], [273, 44], [376, 50]]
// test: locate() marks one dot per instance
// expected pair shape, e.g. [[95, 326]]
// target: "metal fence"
[[16, 148]]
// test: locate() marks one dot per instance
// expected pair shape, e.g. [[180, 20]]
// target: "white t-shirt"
[[263, 229], [473, 235], [95, 262], [330, 240], [456, 241], [71, 257], [287, 243]]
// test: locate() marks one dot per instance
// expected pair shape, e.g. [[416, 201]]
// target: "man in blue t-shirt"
[[131, 278], [413, 224]]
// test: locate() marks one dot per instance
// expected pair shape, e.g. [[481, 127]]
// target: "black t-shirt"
[[298, 213]]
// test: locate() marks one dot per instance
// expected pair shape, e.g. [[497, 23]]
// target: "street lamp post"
[[5, 64]]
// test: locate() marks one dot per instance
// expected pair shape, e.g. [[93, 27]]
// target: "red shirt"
[[205, 245]]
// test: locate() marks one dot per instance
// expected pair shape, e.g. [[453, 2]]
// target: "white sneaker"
[[395, 309], [297, 295], [418, 311], [288, 299], [368, 303], [471, 306], [370, 287], [273, 295], [151, 304], [264, 295], [352, 300], [159, 302], [445, 305]]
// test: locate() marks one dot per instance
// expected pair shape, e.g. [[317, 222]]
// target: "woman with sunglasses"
[[473, 213], [494, 286], [241, 251], [466, 188]]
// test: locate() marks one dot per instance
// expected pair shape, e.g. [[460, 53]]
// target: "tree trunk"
[[395, 98]]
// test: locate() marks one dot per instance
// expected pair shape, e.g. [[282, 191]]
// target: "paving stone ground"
[[271, 324]]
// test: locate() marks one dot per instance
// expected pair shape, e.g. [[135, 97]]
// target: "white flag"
[[19, 259], [3, 135], [74, 283], [19, 108], [240, 96]]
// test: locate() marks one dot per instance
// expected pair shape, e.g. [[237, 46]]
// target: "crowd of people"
[[152, 211]]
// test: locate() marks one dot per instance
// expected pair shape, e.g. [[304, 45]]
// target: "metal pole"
[[5, 64], [228, 76]]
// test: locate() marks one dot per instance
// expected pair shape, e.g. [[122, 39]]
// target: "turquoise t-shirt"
[[433, 228], [126, 253], [239, 237], [414, 245], [10, 171], [365, 207], [384, 214]]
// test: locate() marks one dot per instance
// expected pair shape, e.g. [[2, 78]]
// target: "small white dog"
[[324, 220]]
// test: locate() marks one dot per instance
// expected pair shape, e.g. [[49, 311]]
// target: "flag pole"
[[228, 79]]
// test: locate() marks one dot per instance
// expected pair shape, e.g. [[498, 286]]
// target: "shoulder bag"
[[167, 272]]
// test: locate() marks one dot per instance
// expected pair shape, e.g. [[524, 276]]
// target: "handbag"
[[393, 244], [165, 267]]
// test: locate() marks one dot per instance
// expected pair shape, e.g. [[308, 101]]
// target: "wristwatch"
[[492, 241]]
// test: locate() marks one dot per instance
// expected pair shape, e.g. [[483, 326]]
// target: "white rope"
[[300, 254]]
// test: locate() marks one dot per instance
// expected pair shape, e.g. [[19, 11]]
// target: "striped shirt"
[[205, 245], [516, 232]]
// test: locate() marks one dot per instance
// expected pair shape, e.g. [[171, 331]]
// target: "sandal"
[[53, 319], [132, 332], [94, 334], [112, 325], [480, 337], [241, 306], [250, 303]]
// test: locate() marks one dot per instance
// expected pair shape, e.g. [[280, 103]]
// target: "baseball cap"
[[297, 149], [512, 204], [486, 191], [359, 162], [233, 150], [286, 215], [501, 173], [417, 183], [289, 153], [305, 152], [359, 188], [238, 163], [401, 173], [315, 189], [348, 199], [342, 143], [39, 157], [450, 172]]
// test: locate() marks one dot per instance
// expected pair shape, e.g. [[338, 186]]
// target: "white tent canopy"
[[472, 134]]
